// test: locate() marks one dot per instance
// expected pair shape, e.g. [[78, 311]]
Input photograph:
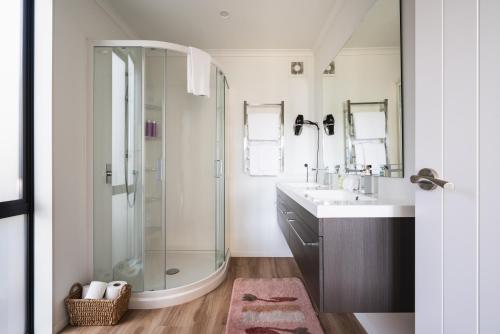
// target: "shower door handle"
[[109, 174], [218, 169]]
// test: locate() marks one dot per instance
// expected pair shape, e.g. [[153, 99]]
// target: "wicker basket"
[[96, 312]]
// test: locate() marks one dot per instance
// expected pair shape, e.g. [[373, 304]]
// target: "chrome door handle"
[[108, 174], [312, 244], [427, 179]]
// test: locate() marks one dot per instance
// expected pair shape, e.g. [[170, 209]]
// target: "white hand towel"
[[199, 64], [113, 289], [264, 158], [370, 154], [369, 124], [96, 290], [264, 125], [375, 154]]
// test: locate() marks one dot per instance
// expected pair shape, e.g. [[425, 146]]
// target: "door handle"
[[304, 243], [218, 169], [284, 212], [427, 179], [108, 174]]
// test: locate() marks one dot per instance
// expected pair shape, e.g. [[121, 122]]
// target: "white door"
[[457, 70]]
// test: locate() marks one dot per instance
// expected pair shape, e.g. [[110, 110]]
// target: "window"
[[16, 168]]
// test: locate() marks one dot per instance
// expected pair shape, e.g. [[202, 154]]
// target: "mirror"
[[362, 91]]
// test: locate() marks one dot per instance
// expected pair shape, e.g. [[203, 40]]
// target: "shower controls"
[[108, 174]]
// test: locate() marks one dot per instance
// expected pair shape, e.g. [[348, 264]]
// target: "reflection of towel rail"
[[246, 140], [362, 103], [349, 133]]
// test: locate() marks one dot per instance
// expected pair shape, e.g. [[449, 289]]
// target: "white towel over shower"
[[198, 72]]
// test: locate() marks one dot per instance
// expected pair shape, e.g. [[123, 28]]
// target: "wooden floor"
[[208, 314]]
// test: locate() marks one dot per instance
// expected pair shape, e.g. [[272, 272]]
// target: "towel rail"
[[350, 138], [246, 139]]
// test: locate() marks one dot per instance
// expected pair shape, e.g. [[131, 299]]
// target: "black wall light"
[[329, 124], [297, 130], [300, 122]]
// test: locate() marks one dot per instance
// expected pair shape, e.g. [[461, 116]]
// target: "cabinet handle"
[[305, 244], [284, 212]]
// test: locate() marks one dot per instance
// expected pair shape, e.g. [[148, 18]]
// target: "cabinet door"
[[305, 248], [368, 265], [282, 219]]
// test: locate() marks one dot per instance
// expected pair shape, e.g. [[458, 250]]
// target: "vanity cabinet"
[[351, 264]]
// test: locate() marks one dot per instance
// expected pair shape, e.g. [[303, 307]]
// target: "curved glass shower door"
[[159, 170], [118, 210], [191, 177]]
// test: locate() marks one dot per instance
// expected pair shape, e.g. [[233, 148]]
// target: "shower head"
[[300, 122], [329, 124]]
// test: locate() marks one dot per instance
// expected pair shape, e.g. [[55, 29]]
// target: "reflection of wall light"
[[330, 69], [297, 68]]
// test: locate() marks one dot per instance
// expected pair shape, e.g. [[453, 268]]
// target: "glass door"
[[154, 220], [118, 207], [220, 171]]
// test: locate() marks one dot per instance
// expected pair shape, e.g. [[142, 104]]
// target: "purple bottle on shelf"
[[149, 128]]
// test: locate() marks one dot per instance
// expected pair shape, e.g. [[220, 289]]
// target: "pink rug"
[[271, 306]]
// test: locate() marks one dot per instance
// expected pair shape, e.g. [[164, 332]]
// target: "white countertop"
[[324, 203]]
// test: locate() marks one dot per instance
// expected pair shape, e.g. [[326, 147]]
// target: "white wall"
[[43, 213], [260, 76], [74, 23]]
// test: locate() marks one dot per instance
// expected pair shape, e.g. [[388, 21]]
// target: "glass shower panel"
[[190, 195], [154, 223], [220, 172], [118, 249]]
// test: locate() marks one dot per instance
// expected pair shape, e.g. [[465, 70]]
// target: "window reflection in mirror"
[[362, 89]]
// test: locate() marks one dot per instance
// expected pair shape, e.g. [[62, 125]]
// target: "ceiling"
[[379, 28], [252, 24]]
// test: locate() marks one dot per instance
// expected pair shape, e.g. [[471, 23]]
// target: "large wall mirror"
[[362, 90]]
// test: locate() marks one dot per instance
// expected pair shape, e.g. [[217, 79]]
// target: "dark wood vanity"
[[352, 264]]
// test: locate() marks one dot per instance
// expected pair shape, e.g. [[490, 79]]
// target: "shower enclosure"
[[158, 172]]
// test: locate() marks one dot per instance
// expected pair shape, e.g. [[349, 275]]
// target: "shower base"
[[196, 277], [192, 265]]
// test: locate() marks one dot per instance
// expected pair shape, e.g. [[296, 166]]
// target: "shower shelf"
[[152, 199], [152, 107]]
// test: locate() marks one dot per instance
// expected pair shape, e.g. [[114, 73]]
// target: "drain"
[[172, 271]]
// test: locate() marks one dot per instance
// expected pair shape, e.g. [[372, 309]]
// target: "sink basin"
[[337, 196], [323, 202], [307, 186]]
